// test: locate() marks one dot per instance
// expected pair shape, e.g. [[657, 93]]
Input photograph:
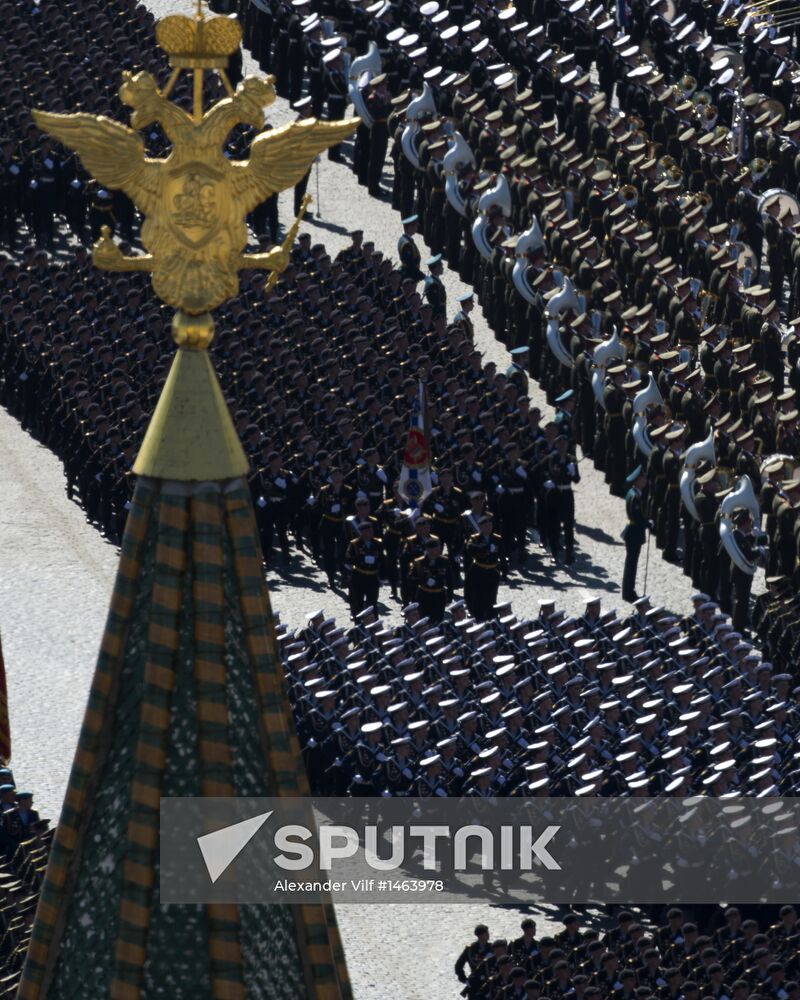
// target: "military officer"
[[434, 290], [517, 371], [364, 564], [432, 580], [635, 531], [407, 249], [484, 567]]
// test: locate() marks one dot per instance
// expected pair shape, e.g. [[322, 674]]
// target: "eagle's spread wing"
[[112, 153], [280, 157]]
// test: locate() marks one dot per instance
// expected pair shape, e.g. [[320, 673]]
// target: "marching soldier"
[[635, 532], [364, 564], [562, 473], [276, 492], [334, 500], [484, 567], [513, 491], [432, 580], [444, 505]]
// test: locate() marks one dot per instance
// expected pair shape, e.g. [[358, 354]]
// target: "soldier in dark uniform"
[[391, 518], [466, 303], [43, 188], [367, 761], [364, 563], [635, 532], [379, 108], [398, 768], [513, 490], [101, 209], [11, 187], [562, 470], [705, 568], [517, 371], [334, 501], [335, 83], [614, 425], [408, 251], [444, 505], [474, 954], [670, 513], [432, 580], [304, 110], [484, 567], [742, 582], [275, 488], [434, 289]]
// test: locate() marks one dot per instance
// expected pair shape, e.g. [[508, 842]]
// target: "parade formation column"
[[188, 696]]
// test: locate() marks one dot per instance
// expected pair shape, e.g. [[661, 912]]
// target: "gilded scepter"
[[289, 239]]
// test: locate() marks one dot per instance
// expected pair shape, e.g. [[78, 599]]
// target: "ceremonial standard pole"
[[188, 696]]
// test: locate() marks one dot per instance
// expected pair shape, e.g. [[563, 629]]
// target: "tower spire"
[[188, 696]]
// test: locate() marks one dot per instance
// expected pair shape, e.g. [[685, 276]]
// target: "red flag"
[[5, 728]]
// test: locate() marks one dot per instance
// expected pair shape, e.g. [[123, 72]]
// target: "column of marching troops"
[[321, 380], [613, 239], [24, 845], [464, 698], [654, 210], [595, 705], [66, 57], [643, 256], [717, 952]]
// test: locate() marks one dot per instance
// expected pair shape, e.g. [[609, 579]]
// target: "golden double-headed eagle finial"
[[195, 200]]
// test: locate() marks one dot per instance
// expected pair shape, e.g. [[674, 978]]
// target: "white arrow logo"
[[221, 848]]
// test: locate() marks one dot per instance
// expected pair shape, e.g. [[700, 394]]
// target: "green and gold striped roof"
[[188, 698]]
